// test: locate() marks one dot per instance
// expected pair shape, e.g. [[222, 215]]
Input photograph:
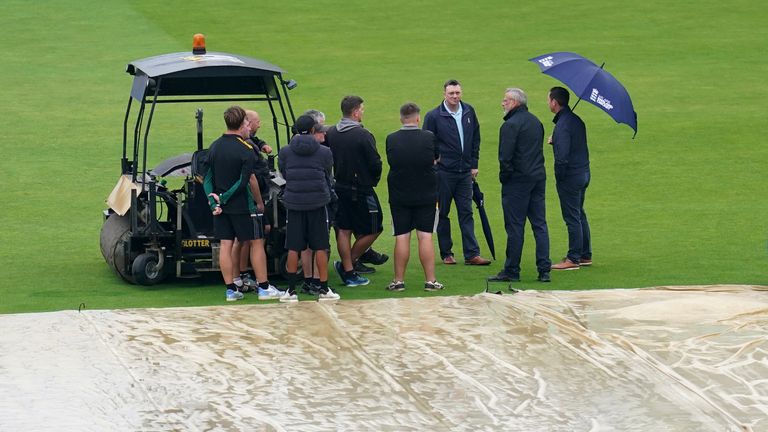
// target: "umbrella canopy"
[[478, 198], [591, 83]]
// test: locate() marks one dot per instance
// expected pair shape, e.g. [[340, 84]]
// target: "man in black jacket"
[[523, 182], [572, 176], [455, 125], [412, 181], [357, 170]]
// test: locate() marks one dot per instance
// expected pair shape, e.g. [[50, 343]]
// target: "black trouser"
[[456, 187], [572, 190], [521, 200]]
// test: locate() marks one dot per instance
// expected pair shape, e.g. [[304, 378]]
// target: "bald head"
[[254, 120]]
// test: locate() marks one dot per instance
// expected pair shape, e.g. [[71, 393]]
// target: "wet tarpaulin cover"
[[664, 359]]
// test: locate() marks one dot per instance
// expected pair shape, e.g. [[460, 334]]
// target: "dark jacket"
[[356, 162], [521, 147], [306, 167], [261, 170], [412, 178], [440, 122], [569, 143]]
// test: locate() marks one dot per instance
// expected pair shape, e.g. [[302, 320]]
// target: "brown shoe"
[[449, 260], [565, 264], [478, 260], [585, 262]]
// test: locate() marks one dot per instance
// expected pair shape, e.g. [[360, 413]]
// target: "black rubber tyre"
[[145, 270], [114, 236]]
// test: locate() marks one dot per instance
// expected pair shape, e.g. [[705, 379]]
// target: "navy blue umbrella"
[[479, 199], [590, 82]]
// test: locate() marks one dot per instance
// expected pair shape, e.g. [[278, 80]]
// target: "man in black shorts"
[[306, 167], [233, 193], [242, 250], [357, 170], [412, 154]]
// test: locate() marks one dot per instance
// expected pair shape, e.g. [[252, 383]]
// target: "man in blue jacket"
[[455, 125], [523, 182], [569, 143]]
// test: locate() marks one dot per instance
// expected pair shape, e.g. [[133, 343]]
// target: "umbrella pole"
[[577, 102]]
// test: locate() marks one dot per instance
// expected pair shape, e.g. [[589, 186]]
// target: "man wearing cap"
[[306, 167], [455, 125], [357, 170]]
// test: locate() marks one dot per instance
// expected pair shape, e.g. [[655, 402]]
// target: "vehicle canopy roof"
[[213, 73]]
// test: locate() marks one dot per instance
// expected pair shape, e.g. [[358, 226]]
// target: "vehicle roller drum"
[[115, 234]]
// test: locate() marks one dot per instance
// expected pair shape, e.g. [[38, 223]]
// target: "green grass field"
[[683, 203]]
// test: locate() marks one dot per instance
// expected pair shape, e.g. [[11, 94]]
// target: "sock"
[[308, 280], [323, 286], [264, 285], [232, 287], [317, 282], [238, 282], [292, 279]]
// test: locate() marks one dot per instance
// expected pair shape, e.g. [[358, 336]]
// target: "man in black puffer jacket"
[[306, 167]]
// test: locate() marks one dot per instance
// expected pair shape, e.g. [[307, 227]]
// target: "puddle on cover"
[[670, 358]]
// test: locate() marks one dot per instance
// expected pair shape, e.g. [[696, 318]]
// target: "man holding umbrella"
[[523, 182], [569, 143]]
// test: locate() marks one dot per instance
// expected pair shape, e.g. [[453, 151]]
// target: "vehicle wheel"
[[145, 269], [281, 266], [115, 235]]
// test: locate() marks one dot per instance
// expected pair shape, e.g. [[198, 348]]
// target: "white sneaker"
[[271, 293], [289, 297], [433, 286], [233, 295], [328, 296]]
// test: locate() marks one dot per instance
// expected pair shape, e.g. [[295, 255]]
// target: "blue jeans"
[[521, 200], [456, 187], [572, 190]]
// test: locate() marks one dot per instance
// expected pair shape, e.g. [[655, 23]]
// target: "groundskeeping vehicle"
[[151, 231]]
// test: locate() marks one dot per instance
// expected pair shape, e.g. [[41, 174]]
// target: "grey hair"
[[518, 95], [316, 115]]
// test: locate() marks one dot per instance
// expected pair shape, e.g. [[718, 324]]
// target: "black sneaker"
[[504, 277], [310, 288], [544, 277], [361, 268], [372, 257]]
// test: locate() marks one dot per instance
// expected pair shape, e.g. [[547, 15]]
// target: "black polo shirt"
[[412, 179], [232, 159]]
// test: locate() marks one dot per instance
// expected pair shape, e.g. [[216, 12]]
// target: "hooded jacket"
[[306, 168], [452, 158], [356, 162], [521, 147]]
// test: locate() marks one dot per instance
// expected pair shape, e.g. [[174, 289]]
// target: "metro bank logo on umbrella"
[[546, 61], [603, 102]]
